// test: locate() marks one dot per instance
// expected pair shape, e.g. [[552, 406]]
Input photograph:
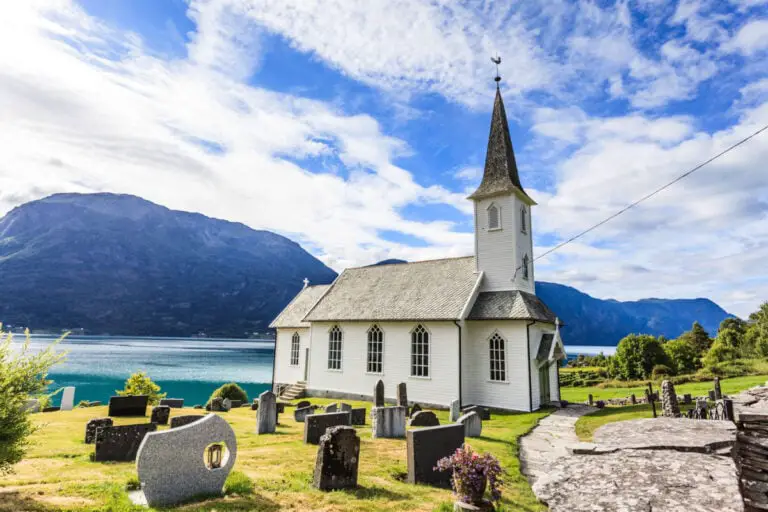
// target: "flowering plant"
[[471, 474]]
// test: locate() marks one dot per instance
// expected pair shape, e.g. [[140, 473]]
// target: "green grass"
[[586, 425], [729, 386], [272, 472]]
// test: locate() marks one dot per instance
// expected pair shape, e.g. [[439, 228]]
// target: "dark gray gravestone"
[[266, 415], [315, 425], [120, 443], [712, 394], [280, 407], [426, 446], [416, 408], [687, 399], [173, 403], [718, 392], [255, 406], [402, 395], [135, 405], [358, 416], [332, 407], [160, 414], [236, 403], [300, 414], [424, 419], [91, 426], [338, 458], [483, 412], [303, 403], [180, 421], [378, 394], [216, 405]]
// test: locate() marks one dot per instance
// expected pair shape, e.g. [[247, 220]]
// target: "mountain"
[[119, 264], [122, 265]]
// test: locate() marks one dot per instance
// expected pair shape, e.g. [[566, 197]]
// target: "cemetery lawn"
[[729, 386], [587, 424], [272, 472]]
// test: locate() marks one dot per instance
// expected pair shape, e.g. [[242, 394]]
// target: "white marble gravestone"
[[473, 424], [455, 411], [172, 463], [68, 398], [266, 416]]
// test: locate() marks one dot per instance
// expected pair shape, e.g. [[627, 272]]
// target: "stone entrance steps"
[[294, 391]]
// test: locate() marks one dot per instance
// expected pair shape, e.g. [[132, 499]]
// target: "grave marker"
[[266, 416], [473, 424], [426, 446], [315, 425], [424, 419], [120, 443], [93, 425], [388, 422], [68, 398], [131, 405], [338, 458]]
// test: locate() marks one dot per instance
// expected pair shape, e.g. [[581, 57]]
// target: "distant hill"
[[119, 264]]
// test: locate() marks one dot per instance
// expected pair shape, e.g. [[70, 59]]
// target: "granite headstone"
[[130, 405], [120, 443], [426, 446], [315, 425], [338, 458]]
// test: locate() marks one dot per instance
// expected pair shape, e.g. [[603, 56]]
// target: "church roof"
[[423, 290], [510, 305], [500, 176], [294, 312]]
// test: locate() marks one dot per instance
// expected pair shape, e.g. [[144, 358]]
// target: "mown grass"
[[272, 472]]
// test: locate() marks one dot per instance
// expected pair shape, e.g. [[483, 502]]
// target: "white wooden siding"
[[535, 338], [440, 388], [284, 372], [554, 385], [476, 379]]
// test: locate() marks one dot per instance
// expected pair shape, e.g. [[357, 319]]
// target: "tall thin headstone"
[[718, 392], [378, 394], [266, 416], [68, 398], [455, 411], [590, 399], [402, 395], [669, 405]]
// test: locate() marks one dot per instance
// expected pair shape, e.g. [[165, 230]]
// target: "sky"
[[358, 127]]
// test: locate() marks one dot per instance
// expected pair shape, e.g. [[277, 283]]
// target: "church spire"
[[500, 176]]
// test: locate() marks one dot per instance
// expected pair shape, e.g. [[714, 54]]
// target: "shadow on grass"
[[375, 492], [13, 501]]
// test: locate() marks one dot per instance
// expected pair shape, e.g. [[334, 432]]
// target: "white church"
[[466, 328]]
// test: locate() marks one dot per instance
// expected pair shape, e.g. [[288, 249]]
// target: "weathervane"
[[497, 60]]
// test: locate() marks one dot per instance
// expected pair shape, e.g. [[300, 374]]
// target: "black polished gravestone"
[[160, 414], [315, 425], [357, 416], [425, 447], [120, 443], [483, 412], [180, 421], [236, 403], [173, 403], [91, 426], [338, 458], [302, 412], [132, 405], [424, 419]]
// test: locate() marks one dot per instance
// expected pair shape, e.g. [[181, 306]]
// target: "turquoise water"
[[185, 368]]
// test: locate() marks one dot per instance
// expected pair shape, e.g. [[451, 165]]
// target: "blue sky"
[[358, 127]]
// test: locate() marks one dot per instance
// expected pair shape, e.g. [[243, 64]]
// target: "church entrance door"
[[544, 384]]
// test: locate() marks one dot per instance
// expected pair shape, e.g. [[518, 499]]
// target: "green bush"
[[660, 371], [683, 355], [231, 391], [140, 384], [636, 355], [22, 376]]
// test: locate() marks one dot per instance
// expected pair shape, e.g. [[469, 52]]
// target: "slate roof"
[[294, 312], [500, 175], [545, 345], [510, 305], [422, 290]]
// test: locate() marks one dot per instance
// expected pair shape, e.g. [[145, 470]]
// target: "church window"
[[523, 220], [295, 343], [498, 359], [375, 350], [419, 352], [494, 217], [525, 267], [334, 348]]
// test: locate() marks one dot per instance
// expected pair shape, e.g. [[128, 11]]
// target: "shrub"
[[636, 355], [470, 474], [683, 355], [721, 351], [698, 337], [660, 371], [140, 384], [231, 391], [22, 375]]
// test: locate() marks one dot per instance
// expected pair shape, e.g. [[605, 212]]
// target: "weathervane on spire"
[[497, 60]]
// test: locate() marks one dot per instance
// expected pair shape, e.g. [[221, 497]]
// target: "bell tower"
[[503, 237]]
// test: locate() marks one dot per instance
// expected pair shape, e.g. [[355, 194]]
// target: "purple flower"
[[471, 474]]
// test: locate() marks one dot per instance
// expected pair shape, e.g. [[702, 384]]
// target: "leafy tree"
[[683, 356], [757, 332], [637, 354], [22, 376], [661, 370], [231, 391], [724, 349], [735, 323], [140, 384], [698, 337]]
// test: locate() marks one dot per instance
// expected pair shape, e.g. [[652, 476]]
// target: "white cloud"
[[752, 38]]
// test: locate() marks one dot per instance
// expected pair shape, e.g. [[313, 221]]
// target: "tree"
[[683, 356], [637, 354], [22, 376], [735, 323], [140, 384], [723, 349], [757, 331], [698, 337]]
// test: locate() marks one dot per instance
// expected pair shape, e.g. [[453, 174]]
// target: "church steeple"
[[500, 176]]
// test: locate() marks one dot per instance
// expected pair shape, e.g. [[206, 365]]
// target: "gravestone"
[[378, 394], [315, 425], [332, 407], [425, 447], [171, 464], [301, 414], [255, 406], [701, 404], [345, 407], [338, 458], [131, 405], [303, 403], [120, 443], [357, 416], [160, 414], [473, 424], [416, 408], [687, 399], [266, 416], [218, 404], [590, 399], [68, 398], [280, 407], [235, 404], [52, 409], [402, 396], [93, 425], [226, 405], [388, 422], [484, 412], [717, 390], [633, 399], [32, 405], [669, 405], [180, 421], [455, 411], [712, 394], [424, 419], [173, 403]]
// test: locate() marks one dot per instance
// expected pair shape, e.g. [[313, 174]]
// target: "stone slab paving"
[[679, 434]]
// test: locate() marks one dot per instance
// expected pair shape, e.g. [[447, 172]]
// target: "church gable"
[[296, 310]]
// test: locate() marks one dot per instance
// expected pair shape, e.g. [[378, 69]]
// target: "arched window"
[[295, 344], [334, 348], [523, 220], [498, 359], [525, 267], [375, 350], [419, 352], [494, 217]]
